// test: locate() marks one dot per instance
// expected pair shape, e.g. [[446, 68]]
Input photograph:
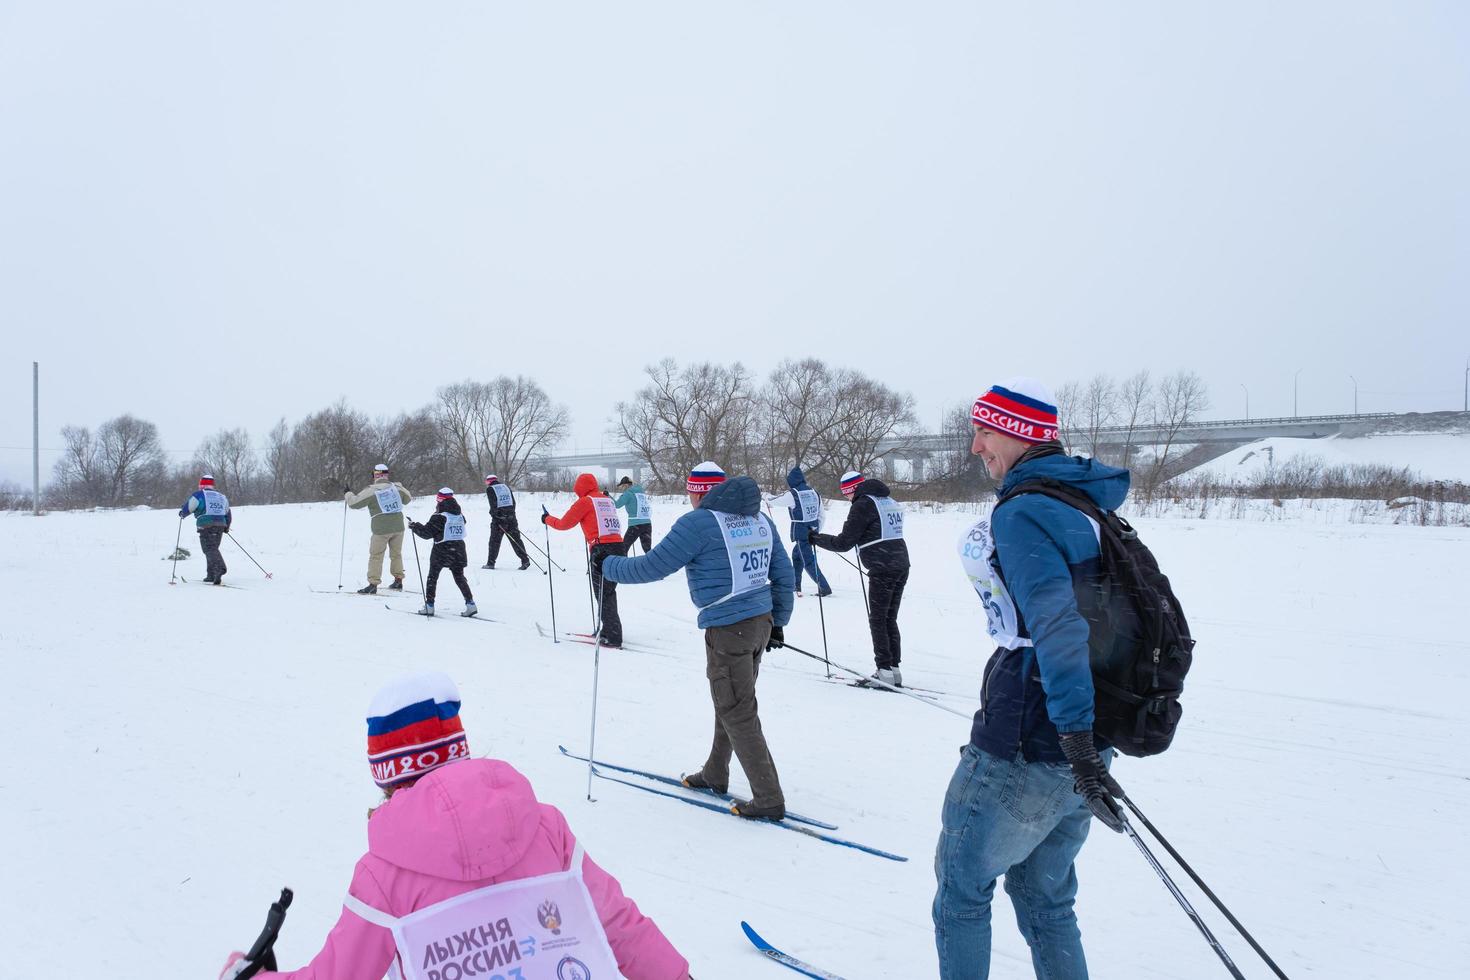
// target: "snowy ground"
[[208, 748], [1430, 455]]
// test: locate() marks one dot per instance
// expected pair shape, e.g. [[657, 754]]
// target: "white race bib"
[[890, 520], [215, 504], [502, 495], [641, 509], [453, 527], [542, 928], [809, 505], [607, 517], [977, 555], [388, 500], [748, 542]]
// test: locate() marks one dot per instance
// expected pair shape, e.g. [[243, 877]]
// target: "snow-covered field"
[[190, 750], [1430, 455]]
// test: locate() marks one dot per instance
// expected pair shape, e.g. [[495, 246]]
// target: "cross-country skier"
[[503, 522], [212, 520], [1014, 807], [874, 526], [467, 873], [634, 500], [598, 515], [384, 499], [740, 580], [805, 508], [446, 528]]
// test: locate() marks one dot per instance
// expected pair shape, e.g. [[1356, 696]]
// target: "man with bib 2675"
[[384, 499], [467, 874], [741, 581]]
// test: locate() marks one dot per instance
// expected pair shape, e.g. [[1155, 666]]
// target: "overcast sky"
[[220, 214]]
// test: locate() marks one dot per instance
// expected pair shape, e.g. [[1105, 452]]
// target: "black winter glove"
[[777, 640], [544, 513], [1093, 782], [414, 525], [811, 535]]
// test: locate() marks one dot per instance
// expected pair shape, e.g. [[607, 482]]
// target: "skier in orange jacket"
[[601, 526]]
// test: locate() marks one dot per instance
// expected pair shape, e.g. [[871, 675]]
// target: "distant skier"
[[212, 519], [805, 508], [446, 528], [740, 580], [1013, 807], [874, 526], [503, 522], [384, 499], [634, 500], [467, 874], [598, 515]]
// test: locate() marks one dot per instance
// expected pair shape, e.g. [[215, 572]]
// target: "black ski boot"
[[368, 589], [397, 585], [525, 564], [750, 811], [695, 780]]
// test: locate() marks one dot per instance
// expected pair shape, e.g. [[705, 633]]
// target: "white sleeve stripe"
[[577, 857], [366, 912]]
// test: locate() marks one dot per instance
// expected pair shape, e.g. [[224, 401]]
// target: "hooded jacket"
[[696, 544], [1050, 560], [381, 523], [862, 526], [583, 512], [462, 827], [628, 501], [791, 500], [450, 554]]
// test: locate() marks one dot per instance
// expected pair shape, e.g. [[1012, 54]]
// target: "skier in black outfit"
[[874, 526], [503, 522], [447, 530]]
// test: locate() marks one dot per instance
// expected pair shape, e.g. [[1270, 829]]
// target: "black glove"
[[1093, 783], [346, 488], [414, 525], [811, 535], [544, 513], [777, 640]]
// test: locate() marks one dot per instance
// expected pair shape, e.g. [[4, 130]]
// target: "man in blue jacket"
[[805, 508], [212, 518], [740, 579], [1033, 775]]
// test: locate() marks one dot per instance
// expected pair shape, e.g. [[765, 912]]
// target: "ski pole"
[[415, 539], [876, 682], [1204, 887], [1183, 902], [822, 611], [342, 554], [596, 671], [178, 536], [551, 588], [262, 955], [862, 581], [537, 564], [591, 602], [547, 554], [247, 554]]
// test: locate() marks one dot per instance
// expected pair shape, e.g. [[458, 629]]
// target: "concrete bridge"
[[914, 451]]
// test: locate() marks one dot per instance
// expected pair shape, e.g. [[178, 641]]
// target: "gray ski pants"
[[733, 661]]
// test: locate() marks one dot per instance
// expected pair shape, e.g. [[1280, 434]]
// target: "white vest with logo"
[[642, 511], [503, 496], [215, 504], [890, 521], [809, 505], [748, 543], [453, 527], [541, 928], [388, 500], [608, 521]]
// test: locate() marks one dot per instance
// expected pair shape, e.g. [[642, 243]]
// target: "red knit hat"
[[704, 477], [206, 482], [850, 481], [414, 728], [1021, 408]]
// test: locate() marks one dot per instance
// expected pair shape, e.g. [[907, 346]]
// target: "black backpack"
[[1141, 649]]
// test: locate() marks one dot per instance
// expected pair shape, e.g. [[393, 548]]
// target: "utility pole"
[[1467, 385], [1294, 413], [1247, 402], [1355, 394], [36, 438]]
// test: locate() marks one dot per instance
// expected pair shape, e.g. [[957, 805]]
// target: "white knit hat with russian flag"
[[850, 481], [414, 728], [704, 477], [1022, 408], [445, 494]]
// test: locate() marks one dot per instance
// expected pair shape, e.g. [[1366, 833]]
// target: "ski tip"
[[754, 936]]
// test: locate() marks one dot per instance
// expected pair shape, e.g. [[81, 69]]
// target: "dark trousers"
[[885, 591], [732, 664], [638, 532], [209, 539], [509, 528], [607, 590], [804, 558], [431, 584]]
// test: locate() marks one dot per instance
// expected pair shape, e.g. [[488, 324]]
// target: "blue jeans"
[[1020, 819], [803, 554]]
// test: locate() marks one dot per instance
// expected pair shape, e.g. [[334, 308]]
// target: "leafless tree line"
[[805, 412]]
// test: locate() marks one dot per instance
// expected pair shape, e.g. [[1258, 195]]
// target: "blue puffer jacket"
[[696, 545], [1050, 559]]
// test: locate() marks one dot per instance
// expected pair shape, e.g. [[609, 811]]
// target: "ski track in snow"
[[205, 747]]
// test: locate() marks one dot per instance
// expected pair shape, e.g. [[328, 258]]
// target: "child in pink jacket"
[[467, 875]]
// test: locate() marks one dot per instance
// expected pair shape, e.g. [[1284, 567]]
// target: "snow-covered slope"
[[180, 753], [1431, 455]]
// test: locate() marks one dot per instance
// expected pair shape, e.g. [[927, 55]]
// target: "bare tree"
[[499, 426], [1099, 407], [278, 461], [129, 455], [229, 457], [1134, 397], [686, 415], [76, 477], [867, 412], [1179, 400], [1069, 404], [801, 408]]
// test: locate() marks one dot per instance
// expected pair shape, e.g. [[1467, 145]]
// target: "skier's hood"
[[737, 495], [466, 821], [448, 506], [1106, 485], [871, 487], [796, 479], [585, 484]]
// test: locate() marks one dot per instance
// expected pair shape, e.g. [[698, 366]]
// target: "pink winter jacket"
[[465, 826]]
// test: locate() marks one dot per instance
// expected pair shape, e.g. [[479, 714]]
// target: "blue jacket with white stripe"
[[696, 544], [1050, 560]]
